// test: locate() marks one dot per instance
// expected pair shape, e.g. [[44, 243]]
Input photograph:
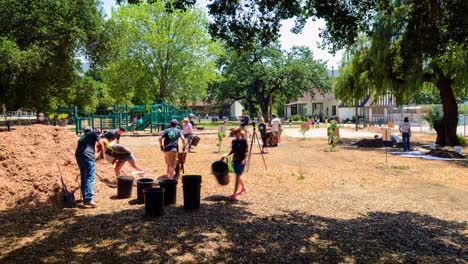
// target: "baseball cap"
[[174, 122]]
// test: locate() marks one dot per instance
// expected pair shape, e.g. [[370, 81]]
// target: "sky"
[[309, 36]]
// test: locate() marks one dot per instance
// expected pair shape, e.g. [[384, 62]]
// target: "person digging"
[[169, 142], [85, 157], [239, 150]]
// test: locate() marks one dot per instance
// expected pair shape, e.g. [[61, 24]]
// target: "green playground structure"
[[155, 117]]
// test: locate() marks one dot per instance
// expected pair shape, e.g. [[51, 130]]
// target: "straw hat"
[[185, 120]]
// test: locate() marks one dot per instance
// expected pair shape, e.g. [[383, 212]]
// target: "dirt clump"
[[28, 165], [443, 153]]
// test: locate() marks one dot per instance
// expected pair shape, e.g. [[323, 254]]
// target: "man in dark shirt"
[[262, 128], [114, 134], [86, 162], [170, 146]]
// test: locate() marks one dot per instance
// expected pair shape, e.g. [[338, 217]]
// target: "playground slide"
[[144, 125]]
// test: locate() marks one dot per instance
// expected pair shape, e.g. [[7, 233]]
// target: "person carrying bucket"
[[187, 128], [239, 149], [170, 147], [85, 157]]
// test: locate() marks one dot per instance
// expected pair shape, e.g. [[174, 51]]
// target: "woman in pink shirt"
[[187, 131]]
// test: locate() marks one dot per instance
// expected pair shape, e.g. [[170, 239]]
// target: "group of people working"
[[92, 146]]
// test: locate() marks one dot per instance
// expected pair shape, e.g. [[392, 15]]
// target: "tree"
[[244, 23], [414, 45], [267, 74], [160, 54], [39, 44]]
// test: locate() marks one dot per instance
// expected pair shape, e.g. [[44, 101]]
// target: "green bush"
[[434, 118], [461, 140], [296, 117]]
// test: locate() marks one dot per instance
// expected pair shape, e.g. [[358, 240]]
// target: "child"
[[240, 149]]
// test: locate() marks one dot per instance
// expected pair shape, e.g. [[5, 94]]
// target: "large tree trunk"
[[447, 133]]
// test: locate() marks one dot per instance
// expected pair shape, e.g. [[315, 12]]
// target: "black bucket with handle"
[[154, 201], [141, 185], [124, 186], [220, 170]]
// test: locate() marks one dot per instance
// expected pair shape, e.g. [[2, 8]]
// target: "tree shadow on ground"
[[226, 232]]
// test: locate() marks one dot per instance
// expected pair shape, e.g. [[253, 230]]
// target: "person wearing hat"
[[191, 117], [239, 150], [187, 129], [275, 129], [169, 142], [85, 157]]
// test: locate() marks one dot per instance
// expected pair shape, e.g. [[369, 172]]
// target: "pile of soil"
[[28, 165], [373, 143], [443, 153]]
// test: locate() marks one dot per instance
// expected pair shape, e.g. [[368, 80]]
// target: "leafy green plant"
[[332, 137], [461, 140], [296, 117], [230, 164], [221, 136], [434, 118]]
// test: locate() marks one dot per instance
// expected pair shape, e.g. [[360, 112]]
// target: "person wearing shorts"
[[119, 155], [239, 149], [187, 129], [169, 142]]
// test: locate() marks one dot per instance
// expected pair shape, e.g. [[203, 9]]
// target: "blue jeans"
[[406, 139], [88, 171]]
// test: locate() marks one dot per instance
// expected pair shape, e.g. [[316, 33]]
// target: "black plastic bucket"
[[220, 170], [124, 186], [195, 141], [170, 191], [154, 201], [192, 188], [141, 185]]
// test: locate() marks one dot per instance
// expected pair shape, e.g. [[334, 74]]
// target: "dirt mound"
[[373, 143], [443, 153], [28, 165]]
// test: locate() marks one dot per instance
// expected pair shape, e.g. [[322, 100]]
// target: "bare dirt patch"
[[311, 205]]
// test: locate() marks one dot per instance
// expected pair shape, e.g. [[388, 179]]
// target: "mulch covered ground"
[[311, 205]]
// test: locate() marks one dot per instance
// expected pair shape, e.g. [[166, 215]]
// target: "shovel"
[[68, 197]]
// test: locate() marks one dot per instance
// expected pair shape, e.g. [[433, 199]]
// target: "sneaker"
[[91, 204], [233, 197], [244, 190]]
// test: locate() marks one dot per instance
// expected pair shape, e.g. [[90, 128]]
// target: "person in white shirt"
[[405, 129], [275, 127]]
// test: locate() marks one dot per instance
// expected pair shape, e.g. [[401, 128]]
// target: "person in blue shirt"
[[85, 157]]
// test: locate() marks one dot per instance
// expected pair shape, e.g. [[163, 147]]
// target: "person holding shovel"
[[239, 149], [85, 157], [170, 147]]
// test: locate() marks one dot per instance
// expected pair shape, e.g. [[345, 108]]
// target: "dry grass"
[[311, 205]]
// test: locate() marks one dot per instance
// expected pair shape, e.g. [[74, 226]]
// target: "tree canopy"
[[413, 46], [160, 54], [40, 42], [267, 75]]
